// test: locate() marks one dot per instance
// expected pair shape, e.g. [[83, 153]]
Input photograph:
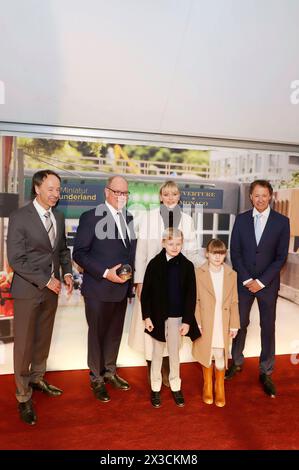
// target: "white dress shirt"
[[42, 211], [114, 213]]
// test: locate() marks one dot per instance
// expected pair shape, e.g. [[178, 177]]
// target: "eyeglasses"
[[119, 193]]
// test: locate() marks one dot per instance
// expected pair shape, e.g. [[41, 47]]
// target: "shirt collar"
[[40, 209], [112, 209], [168, 257], [265, 213]]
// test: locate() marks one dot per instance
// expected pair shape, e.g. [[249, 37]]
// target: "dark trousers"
[[33, 327], [267, 309], [105, 325]]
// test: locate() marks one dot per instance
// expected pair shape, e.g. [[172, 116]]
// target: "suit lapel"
[[38, 223], [251, 234], [227, 282], [58, 228], [268, 228], [207, 280]]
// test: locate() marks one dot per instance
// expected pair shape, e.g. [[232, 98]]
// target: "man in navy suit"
[[259, 248], [105, 240]]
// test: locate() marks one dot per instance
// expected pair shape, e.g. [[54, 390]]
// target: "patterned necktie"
[[258, 227], [124, 232], [50, 228]]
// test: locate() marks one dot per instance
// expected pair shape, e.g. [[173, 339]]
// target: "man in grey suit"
[[36, 249]]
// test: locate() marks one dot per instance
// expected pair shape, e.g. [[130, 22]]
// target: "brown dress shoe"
[[27, 413], [43, 386]]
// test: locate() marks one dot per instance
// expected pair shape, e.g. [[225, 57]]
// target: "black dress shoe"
[[232, 370], [43, 386], [117, 382], [268, 385], [178, 398], [27, 413], [155, 399], [100, 391]]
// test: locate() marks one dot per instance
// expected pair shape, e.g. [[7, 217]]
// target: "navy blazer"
[[154, 301], [98, 246], [265, 260]]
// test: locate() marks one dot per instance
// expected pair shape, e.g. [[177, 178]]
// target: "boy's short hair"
[[171, 233], [216, 246]]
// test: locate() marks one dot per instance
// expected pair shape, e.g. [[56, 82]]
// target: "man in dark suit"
[[36, 249], [259, 248], [104, 242]]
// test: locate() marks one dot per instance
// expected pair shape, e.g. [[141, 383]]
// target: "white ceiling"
[[217, 68]]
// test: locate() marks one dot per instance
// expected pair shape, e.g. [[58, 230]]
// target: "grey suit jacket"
[[30, 253]]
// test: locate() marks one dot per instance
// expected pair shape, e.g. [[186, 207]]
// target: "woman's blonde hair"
[[169, 185]]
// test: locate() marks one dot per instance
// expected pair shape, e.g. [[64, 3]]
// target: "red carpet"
[[76, 420]]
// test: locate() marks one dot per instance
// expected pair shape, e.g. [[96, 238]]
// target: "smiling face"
[[48, 193], [170, 196], [173, 246], [260, 198], [117, 193]]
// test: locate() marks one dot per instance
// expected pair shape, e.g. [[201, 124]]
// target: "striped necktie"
[[50, 228]]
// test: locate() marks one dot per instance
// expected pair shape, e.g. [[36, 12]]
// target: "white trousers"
[[218, 356], [173, 340]]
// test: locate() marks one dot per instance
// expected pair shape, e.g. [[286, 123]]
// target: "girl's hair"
[[171, 233], [216, 246], [168, 185]]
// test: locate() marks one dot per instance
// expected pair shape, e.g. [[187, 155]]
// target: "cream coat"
[[149, 243], [150, 229], [205, 308]]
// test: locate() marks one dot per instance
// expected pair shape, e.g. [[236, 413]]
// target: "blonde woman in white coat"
[[151, 228]]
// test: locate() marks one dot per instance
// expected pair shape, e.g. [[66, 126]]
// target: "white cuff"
[[247, 280], [260, 283], [105, 273]]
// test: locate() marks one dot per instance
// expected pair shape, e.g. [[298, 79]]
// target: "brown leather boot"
[[219, 387], [207, 393]]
